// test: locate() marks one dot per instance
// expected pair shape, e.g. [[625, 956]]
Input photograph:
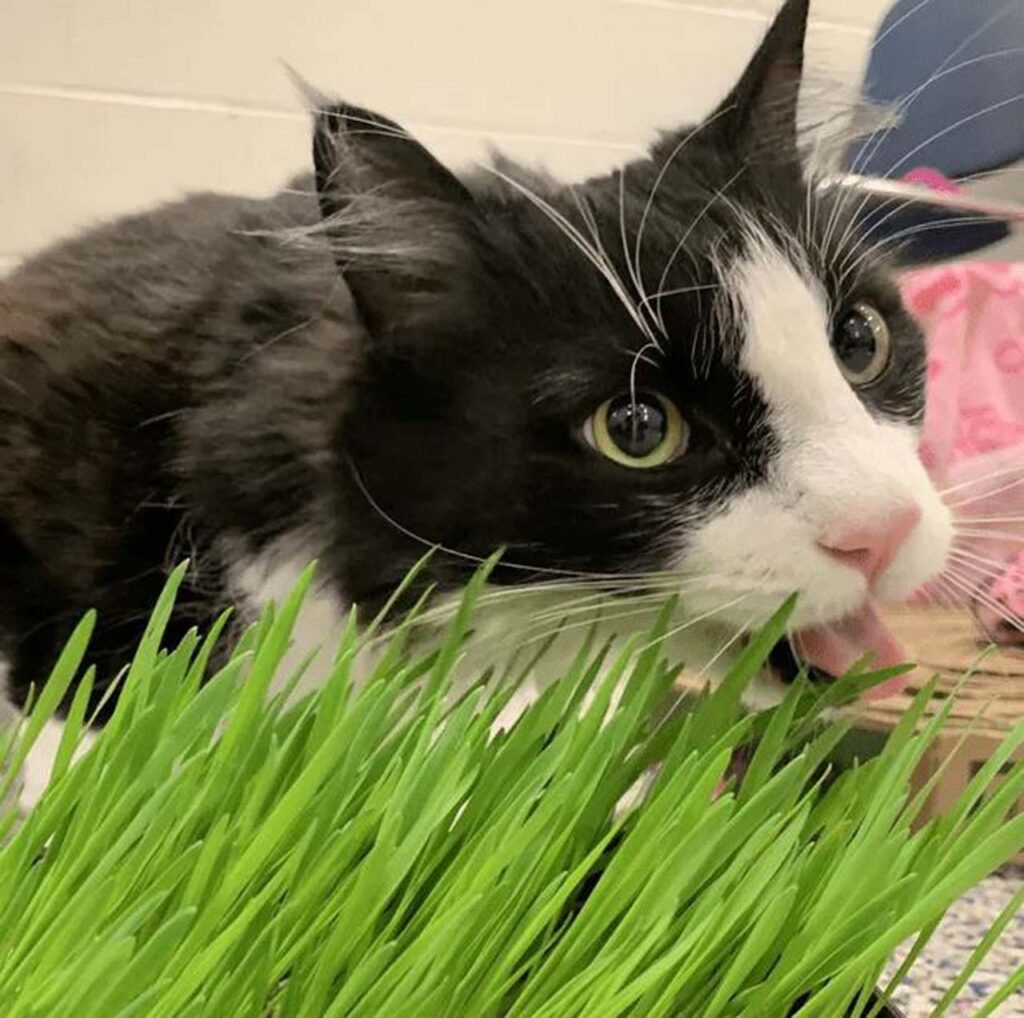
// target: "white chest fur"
[[257, 582], [508, 622]]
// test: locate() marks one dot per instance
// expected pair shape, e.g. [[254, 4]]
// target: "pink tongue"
[[838, 647]]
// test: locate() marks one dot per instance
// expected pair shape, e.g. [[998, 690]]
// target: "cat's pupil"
[[637, 425], [855, 342]]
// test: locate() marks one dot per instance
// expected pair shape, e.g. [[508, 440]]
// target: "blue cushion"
[[967, 119], [919, 40]]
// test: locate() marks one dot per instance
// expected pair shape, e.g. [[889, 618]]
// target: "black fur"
[[392, 352]]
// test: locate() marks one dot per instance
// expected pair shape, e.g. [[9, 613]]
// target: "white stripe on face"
[[836, 466]]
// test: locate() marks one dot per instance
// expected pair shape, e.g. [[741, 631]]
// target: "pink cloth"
[[973, 440]]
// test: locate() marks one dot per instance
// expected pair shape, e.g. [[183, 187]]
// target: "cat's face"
[[692, 368]]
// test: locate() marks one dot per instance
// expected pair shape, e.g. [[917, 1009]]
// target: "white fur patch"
[[837, 466], [270, 578], [35, 775], [511, 621], [38, 767], [506, 622]]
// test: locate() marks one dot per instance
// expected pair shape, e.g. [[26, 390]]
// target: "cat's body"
[[215, 399], [141, 364], [686, 377]]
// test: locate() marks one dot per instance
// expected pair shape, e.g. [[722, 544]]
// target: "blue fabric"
[[967, 118], [925, 235], [922, 40]]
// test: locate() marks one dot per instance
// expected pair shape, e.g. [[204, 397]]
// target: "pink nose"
[[871, 548]]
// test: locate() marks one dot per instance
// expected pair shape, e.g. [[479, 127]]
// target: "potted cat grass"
[[380, 848]]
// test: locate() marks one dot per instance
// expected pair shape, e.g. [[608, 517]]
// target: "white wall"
[[110, 105]]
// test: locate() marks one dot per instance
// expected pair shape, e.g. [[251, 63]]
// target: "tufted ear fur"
[[400, 224]]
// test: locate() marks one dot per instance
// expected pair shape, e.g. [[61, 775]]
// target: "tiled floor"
[[946, 643], [964, 926]]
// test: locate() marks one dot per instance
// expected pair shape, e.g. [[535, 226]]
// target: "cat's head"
[[694, 368]]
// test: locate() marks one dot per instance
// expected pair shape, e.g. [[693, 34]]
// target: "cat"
[[687, 376]]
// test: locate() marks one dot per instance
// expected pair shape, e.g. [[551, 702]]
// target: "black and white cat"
[[689, 375]]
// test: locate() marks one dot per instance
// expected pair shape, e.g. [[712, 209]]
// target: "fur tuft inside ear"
[[312, 98], [399, 223]]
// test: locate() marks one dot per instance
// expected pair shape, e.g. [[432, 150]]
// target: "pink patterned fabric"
[[973, 440]]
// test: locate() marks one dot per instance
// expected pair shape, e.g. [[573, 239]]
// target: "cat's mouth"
[[831, 650]]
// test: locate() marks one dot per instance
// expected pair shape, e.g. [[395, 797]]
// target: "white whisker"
[[633, 368], [739, 634], [983, 598], [1015, 469], [648, 205], [719, 195], [697, 288], [477, 559], [631, 268], [892, 240], [659, 588], [988, 494], [882, 36], [580, 242], [942, 592], [908, 101], [962, 122], [991, 519], [646, 611], [639, 355], [969, 556], [992, 535], [940, 72], [699, 618]]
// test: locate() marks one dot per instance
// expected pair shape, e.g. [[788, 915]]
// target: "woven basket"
[[988, 703]]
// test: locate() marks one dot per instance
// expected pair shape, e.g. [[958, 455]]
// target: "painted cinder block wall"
[[108, 106]]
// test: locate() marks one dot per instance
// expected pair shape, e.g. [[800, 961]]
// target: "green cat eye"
[[641, 430], [862, 344]]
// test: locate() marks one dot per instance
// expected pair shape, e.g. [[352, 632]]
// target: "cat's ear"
[[399, 223], [759, 116]]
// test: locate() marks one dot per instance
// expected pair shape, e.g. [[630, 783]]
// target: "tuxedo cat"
[[689, 376]]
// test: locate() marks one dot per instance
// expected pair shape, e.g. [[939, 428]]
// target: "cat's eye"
[[862, 344], [641, 430]]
